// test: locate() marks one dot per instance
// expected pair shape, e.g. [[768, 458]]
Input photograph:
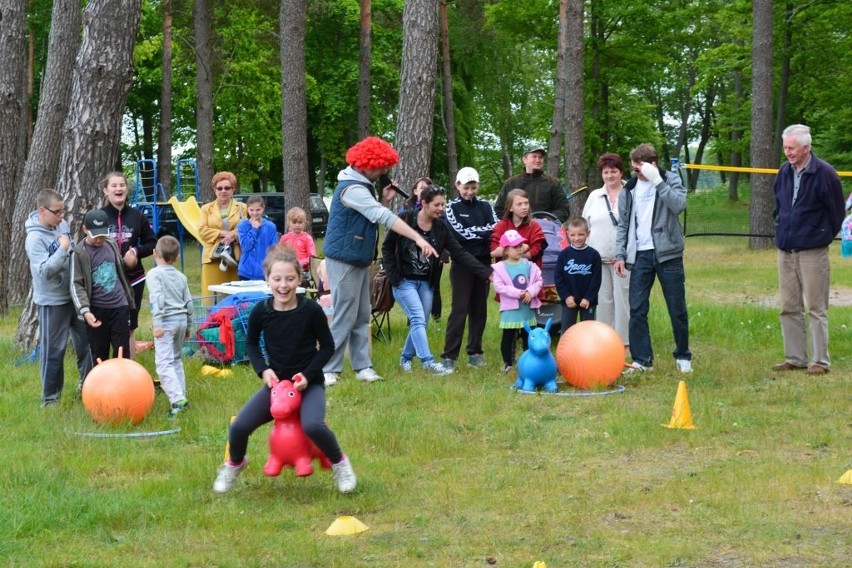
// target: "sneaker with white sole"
[[331, 378], [433, 368], [344, 475], [638, 368], [449, 363], [368, 375], [227, 475], [405, 365], [684, 365], [476, 360]]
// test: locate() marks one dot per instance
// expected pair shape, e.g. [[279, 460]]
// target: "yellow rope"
[[742, 169]]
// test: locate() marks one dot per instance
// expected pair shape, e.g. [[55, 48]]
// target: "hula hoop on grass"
[[127, 434], [617, 389]]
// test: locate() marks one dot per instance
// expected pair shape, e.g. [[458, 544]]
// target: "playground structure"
[[150, 195]]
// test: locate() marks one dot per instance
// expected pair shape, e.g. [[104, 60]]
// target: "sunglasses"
[[432, 191]]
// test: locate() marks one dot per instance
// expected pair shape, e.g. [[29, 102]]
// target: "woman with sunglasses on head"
[[218, 226], [601, 212], [414, 276]]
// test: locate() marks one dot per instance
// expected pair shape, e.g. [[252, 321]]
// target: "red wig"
[[372, 153]]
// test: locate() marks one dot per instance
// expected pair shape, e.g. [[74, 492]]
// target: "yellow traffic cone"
[[681, 416], [846, 478], [539, 564], [228, 443], [346, 525]]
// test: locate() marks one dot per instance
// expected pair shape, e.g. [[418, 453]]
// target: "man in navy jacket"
[[809, 209]]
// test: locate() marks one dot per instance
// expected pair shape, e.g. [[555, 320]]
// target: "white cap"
[[467, 175]]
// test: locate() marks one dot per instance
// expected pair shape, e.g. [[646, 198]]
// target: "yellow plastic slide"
[[189, 214]]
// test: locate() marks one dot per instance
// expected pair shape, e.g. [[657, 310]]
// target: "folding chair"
[[317, 287]]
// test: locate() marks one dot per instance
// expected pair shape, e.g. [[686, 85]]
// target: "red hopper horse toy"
[[288, 443]]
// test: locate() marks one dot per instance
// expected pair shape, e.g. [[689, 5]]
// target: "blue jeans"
[[672, 280], [415, 297]]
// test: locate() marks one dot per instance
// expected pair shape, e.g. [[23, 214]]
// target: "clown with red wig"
[[351, 246]]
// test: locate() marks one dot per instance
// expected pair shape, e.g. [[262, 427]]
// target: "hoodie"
[[50, 265]]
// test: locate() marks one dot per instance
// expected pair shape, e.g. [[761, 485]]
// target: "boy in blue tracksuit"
[[49, 245]]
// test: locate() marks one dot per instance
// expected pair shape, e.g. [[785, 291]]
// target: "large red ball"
[[118, 390], [590, 354]]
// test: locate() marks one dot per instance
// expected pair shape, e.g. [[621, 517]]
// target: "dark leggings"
[[507, 344], [255, 414]]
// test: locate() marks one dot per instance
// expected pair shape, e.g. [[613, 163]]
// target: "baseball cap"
[[535, 148], [97, 223], [467, 175], [511, 238]]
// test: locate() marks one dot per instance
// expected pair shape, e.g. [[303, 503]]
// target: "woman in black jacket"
[[130, 230], [415, 277]]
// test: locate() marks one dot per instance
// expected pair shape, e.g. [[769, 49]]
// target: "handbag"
[[381, 294]]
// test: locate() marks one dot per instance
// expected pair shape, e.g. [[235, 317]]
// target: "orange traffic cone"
[[681, 416]]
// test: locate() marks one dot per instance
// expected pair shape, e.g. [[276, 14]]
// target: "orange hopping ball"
[[118, 390], [590, 355]]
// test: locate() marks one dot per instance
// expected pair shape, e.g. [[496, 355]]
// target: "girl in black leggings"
[[292, 328]]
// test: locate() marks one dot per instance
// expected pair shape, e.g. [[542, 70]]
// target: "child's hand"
[[256, 223], [525, 297], [584, 303], [91, 319], [130, 258], [188, 334], [570, 302], [64, 242], [270, 378], [158, 332], [300, 382]]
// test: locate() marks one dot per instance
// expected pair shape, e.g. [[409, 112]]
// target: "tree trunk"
[[164, 142], [736, 158], [554, 149], [575, 170], [704, 137], [102, 77], [43, 161], [784, 86], [294, 113], [448, 106], [600, 104], [13, 133], [762, 199], [417, 90], [204, 96], [364, 63]]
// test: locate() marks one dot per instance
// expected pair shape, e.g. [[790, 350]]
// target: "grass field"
[[463, 472]]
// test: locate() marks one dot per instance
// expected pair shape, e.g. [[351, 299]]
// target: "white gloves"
[[651, 173]]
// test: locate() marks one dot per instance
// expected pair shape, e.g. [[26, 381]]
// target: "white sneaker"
[[331, 378], [228, 475], [344, 475], [368, 375], [638, 368], [405, 365], [684, 365]]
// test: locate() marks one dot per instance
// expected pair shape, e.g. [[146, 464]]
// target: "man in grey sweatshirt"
[[48, 247]]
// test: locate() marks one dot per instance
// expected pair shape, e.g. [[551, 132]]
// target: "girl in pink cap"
[[517, 281]]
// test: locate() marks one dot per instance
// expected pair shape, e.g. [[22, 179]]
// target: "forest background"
[[276, 92]]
